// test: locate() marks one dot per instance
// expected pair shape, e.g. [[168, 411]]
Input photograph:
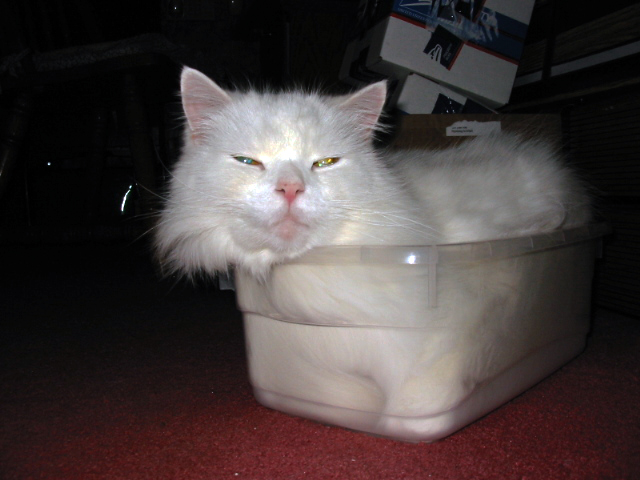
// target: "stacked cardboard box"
[[444, 56], [443, 131]]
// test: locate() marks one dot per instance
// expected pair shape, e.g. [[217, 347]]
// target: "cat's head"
[[264, 177]]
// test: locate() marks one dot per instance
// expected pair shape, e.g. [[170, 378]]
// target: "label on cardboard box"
[[465, 128]]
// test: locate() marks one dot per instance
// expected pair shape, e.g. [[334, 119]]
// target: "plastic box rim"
[[455, 253]]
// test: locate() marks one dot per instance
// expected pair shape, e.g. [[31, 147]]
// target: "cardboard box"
[[409, 92], [419, 95], [440, 131], [477, 55]]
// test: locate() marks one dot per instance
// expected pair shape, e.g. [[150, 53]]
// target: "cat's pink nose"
[[290, 189]]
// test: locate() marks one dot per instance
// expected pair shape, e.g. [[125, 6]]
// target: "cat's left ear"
[[201, 97], [366, 105]]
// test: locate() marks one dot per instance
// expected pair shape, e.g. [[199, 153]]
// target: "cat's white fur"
[[221, 212]]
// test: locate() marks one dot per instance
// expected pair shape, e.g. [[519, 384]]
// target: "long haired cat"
[[264, 178]]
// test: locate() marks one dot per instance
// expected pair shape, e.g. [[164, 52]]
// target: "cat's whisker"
[[415, 223], [394, 220]]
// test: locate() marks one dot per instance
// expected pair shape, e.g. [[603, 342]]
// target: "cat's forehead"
[[287, 112], [288, 124]]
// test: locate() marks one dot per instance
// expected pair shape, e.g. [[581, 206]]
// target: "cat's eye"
[[248, 160], [326, 162]]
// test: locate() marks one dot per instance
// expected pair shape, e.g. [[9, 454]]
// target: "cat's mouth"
[[290, 227]]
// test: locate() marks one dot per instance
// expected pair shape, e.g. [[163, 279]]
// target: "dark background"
[[76, 177], [110, 371]]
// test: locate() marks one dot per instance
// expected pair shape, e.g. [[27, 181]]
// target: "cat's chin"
[[289, 229], [286, 240]]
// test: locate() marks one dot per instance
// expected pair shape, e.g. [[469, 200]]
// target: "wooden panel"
[[612, 30], [618, 277], [604, 142]]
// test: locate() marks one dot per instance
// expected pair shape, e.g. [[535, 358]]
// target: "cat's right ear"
[[366, 106], [200, 98]]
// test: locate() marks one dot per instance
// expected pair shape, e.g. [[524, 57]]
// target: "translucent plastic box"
[[414, 343]]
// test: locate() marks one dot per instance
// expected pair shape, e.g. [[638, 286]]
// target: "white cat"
[[264, 178]]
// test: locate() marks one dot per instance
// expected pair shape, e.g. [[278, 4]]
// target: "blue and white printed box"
[[472, 46], [409, 92], [419, 95]]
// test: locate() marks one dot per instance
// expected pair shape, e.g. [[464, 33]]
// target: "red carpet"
[[108, 373]]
